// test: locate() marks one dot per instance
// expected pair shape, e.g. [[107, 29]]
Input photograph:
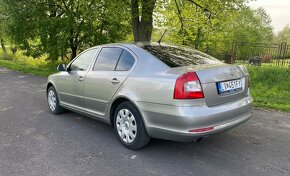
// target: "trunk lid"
[[211, 75]]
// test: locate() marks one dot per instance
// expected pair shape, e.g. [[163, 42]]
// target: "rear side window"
[[107, 59], [126, 61], [175, 56]]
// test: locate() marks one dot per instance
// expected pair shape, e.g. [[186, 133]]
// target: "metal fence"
[[267, 54]]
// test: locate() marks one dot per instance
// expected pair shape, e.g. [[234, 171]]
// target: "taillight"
[[188, 86]]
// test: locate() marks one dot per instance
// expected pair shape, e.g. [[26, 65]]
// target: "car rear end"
[[207, 95]]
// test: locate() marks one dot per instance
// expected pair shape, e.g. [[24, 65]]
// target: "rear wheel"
[[129, 126], [53, 101]]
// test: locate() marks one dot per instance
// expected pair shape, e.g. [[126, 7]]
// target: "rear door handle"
[[80, 78], [115, 81]]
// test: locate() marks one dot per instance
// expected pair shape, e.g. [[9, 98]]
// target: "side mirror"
[[61, 67]]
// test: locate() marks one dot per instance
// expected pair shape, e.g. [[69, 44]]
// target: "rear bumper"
[[174, 122]]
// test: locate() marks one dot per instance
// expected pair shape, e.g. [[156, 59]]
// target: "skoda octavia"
[[151, 90]]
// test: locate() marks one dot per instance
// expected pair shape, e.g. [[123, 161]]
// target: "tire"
[[130, 127], [53, 101]]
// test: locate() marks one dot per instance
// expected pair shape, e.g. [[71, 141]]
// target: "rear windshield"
[[175, 56]]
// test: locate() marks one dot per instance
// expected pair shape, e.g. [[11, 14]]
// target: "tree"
[[59, 27], [54, 27], [142, 19], [283, 35], [212, 25], [3, 19]]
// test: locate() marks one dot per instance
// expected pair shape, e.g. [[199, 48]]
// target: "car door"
[[72, 82], [112, 67]]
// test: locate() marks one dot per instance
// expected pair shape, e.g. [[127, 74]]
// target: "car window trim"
[[118, 60]]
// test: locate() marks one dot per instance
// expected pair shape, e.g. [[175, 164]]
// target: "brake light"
[[188, 86]]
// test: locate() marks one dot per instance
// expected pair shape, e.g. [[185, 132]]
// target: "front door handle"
[[80, 78], [115, 81]]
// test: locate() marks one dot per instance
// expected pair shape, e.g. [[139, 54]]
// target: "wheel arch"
[[49, 84], [114, 105]]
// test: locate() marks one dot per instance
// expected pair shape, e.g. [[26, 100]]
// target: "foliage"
[[3, 20], [53, 27], [40, 66], [212, 25], [284, 35]]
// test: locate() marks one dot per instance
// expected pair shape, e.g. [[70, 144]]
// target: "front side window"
[[108, 59], [126, 61], [83, 61]]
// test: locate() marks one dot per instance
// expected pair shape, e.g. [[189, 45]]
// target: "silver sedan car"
[[150, 90]]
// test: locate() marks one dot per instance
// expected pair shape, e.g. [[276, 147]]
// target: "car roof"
[[133, 45]]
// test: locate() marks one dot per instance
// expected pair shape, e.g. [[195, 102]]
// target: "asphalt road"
[[35, 142]]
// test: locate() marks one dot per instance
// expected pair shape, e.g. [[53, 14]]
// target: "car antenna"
[[159, 41]]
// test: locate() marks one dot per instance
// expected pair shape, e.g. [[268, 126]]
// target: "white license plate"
[[230, 86]]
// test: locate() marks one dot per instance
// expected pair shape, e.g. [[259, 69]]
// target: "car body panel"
[[99, 90], [181, 119], [70, 90]]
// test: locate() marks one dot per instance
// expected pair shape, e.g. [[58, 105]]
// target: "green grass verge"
[[39, 70], [270, 87]]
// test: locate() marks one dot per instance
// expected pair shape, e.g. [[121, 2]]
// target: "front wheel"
[[53, 101], [129, 126]]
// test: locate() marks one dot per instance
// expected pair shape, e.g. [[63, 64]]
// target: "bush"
[[7, 56]]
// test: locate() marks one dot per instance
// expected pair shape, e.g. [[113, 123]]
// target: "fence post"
[[229, 59]]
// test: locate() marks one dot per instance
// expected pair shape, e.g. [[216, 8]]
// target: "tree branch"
[[179, 15], [198, 5]]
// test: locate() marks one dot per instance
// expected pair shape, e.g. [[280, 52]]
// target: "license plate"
[[229, 86]]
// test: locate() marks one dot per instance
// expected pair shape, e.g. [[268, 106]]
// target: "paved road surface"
[[35, 142]]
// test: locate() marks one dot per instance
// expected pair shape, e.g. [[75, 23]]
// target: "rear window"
[[175, 56]]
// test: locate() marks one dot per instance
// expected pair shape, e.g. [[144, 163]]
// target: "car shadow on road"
[[242, 149]]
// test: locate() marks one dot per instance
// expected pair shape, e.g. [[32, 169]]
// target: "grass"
[[278, 63], [35, 66], [270, 86], [282, 63], [40, 70]]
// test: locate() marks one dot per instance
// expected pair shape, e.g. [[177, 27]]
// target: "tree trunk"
[[73, 52], [3, 47], [53, 50], [197, 40], [13, 50], [142, 24]]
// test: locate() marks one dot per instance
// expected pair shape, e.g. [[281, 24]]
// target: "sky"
[[279, 10]]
